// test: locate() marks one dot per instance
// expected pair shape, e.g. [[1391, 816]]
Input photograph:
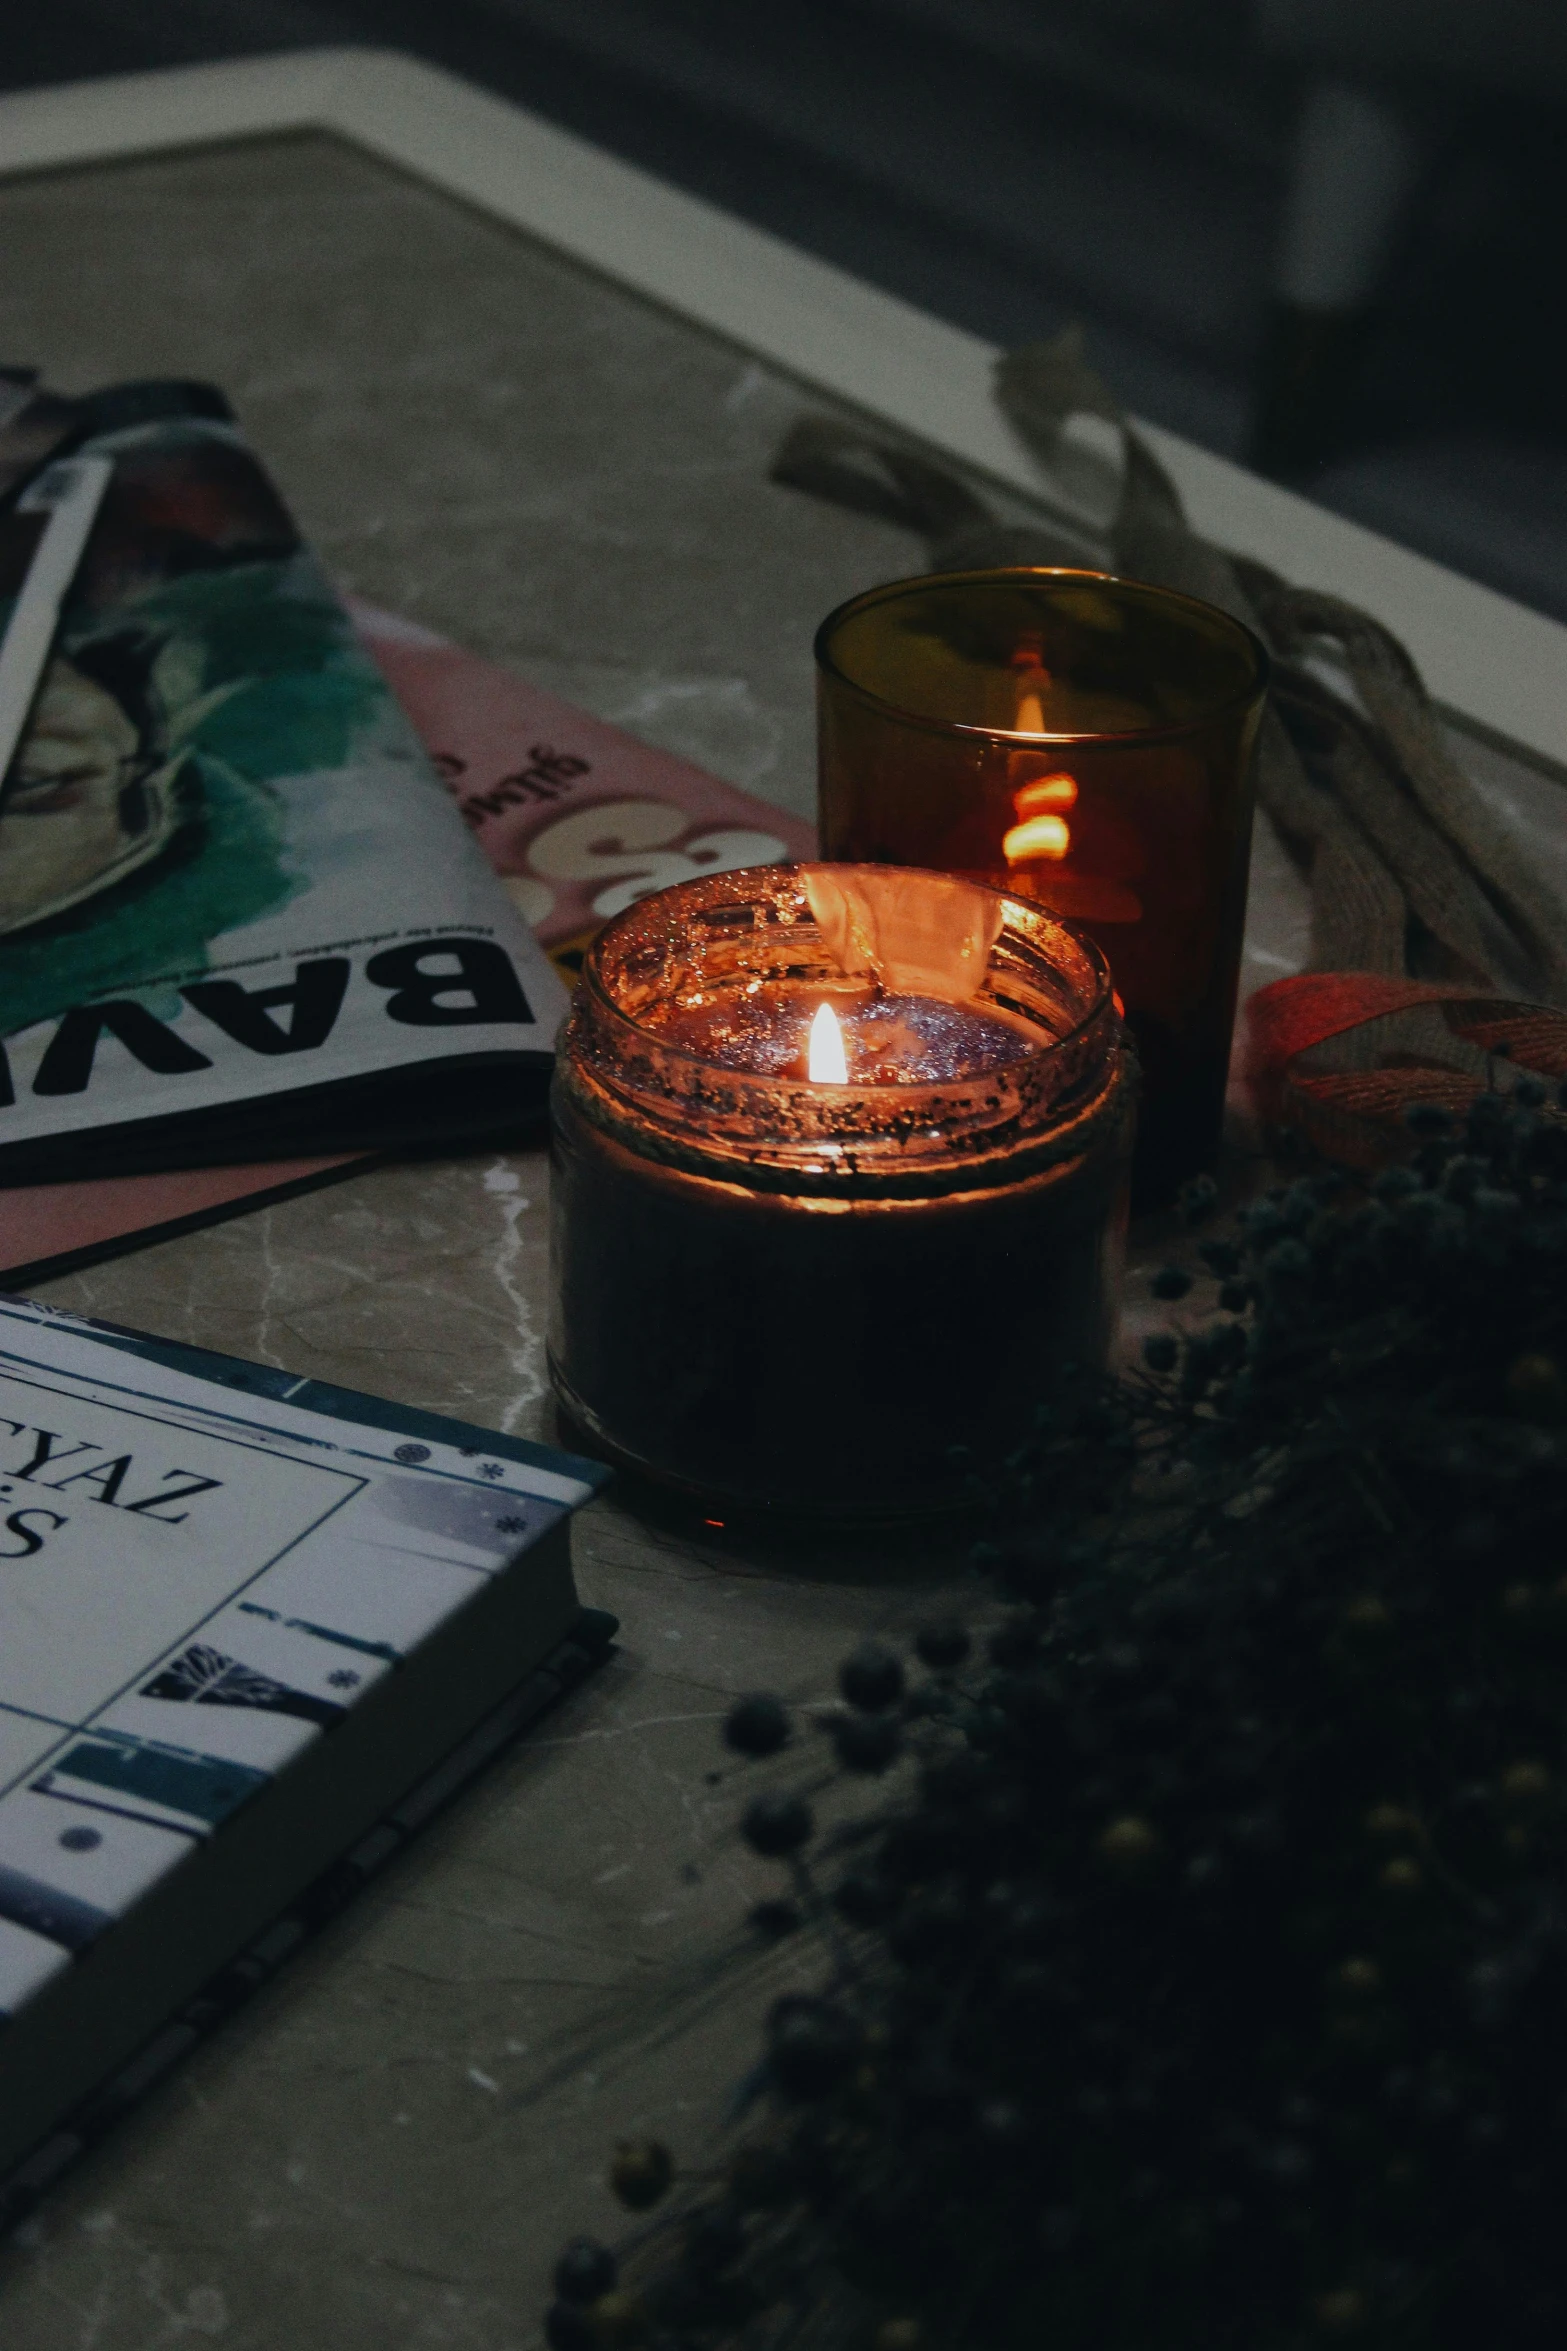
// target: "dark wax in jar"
[[786, 1295]]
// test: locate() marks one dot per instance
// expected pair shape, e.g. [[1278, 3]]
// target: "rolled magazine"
[[240, 916]]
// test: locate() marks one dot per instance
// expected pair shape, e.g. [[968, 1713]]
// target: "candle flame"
[[1036, 836], [1057, 791], [1033, 684], [827, 1064], [1042, 832]]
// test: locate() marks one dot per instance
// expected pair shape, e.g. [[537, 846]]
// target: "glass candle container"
[[1082, 741], [792, 1292]]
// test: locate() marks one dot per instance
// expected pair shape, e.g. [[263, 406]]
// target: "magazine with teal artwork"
[[242, 1616], [239, 914]]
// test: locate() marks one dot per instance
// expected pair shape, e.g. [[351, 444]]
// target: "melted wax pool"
[[888, 1040]]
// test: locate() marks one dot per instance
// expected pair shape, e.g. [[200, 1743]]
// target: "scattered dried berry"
[[871, 1677], [641, 2172], [758, 1725], [777, 1824]]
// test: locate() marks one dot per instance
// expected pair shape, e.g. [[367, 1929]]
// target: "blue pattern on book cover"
[[200, 1576]]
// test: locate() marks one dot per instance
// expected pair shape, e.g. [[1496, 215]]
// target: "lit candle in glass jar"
[[1082, 741], [840, 1158]]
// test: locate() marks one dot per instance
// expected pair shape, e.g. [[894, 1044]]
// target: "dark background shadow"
[[1143, 166]]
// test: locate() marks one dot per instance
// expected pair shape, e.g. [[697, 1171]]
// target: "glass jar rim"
[[697, 888], [708, 1110], [891, 591]]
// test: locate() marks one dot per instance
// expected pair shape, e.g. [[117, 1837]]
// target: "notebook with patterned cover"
[[242, 1615]]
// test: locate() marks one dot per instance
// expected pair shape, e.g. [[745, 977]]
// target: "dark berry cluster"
[[1201, 1978]]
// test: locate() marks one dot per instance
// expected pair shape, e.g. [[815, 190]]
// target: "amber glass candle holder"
[[1082, 741], [782, 1294]]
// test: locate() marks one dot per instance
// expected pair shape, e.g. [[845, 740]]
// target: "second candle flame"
[[826, 1062]]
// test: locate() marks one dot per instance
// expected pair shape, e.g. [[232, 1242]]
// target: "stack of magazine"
[[244, 912]]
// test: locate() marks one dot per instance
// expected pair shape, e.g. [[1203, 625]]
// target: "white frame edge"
[[1484, 655]]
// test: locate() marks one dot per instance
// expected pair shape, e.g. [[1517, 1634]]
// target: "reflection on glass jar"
[[1082, 741]]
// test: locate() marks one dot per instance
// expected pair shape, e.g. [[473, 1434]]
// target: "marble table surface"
[[386, 2148]]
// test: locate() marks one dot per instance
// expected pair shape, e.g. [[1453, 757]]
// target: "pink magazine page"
[[577, 818], [53, 1228]]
